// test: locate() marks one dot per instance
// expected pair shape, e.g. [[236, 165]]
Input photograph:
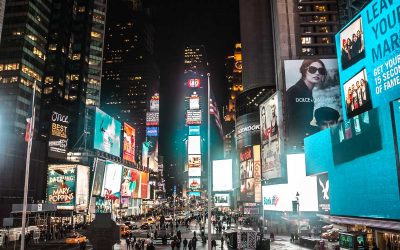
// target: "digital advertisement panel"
[[324, 204], [152, 144], [279, 197], [151, 131], [144, 185], [194, 183], [370, 44], [98, 177], [61, 186], [103, 206], [257, 173], [312, 97], [194, 130], [145, 154], [152, 119], [112, 181], [193, 117], [58, 139], [130, 182], [155, 103], [194, 145], [247, 174], [82, 188], [194, 102], [194, 165], [271, 121], [129, 143], [221, 200], [107, 134], [222, 168]]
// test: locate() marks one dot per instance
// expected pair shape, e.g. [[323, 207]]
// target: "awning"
[[374, 223]]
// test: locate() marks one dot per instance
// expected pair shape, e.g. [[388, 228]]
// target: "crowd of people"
[[351, 47], [357, 95]]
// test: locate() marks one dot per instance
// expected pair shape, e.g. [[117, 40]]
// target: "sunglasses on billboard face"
[[313, 70]]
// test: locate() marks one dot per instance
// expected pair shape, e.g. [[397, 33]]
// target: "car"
[[168, 218], [331, 235], [150, 220], [75, 239]]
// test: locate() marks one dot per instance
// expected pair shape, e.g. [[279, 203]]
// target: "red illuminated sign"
[[193, 83]]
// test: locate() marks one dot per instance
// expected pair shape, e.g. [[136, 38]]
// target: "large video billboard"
[[98, 177], [107, 134], [370, 45], [312, 97], [152, 161], [271, 121], [279, 197], [250, 174], [223, 169], [61, 186], [112, 181], [194, 165], [221, 200], [82, 188], [129, 143], [144, 185], [58, 139], [130, 186]]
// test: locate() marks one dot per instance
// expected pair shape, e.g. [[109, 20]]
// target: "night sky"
[[213, 23]]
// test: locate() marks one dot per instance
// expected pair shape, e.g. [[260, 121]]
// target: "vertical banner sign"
[[144, 185], [129, 143], [82, 188], [257, 173], [271, 137], [58, 139], [247, 174], [61, 186], [369, 52]]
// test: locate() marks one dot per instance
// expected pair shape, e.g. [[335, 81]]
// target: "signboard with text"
[[193, 117], [61, 186], [58, 139], [152, 119]]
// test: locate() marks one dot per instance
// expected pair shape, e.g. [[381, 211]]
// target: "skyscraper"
[[130, 73], [2, 7]]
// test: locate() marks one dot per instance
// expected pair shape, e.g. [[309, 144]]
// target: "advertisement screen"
[[194, 145], [98, 178], [221, 200], [370, 42], [194, 102], [247, 174], [194, 130], [103, 206], [112, 181], [152, 145], [312, 97], [107, 134], [144, 185], [151, 131], [193, 83], [271, 121], [58, 139], [194, 165], [279, 197], [130, 183], [193, 117], [155, 103], [152, 119], [129, 143], [356, 137], [324, 204], [357, 97], [82, 188], [194, 183], [61, 186], [195, 194], [222, 168], [145, 154]]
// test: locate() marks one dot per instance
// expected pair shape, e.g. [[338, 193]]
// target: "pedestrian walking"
[[213, 244], [173, 244], [222, 242], [185, 243], [128, 243], [190, 245]]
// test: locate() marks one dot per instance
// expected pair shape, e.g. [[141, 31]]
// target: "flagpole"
[[209, 183], [28, 159]]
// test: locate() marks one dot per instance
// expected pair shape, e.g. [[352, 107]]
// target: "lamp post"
[[209, 182]]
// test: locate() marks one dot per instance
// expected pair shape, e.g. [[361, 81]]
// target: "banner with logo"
[[323, 193], [58, 139], [271, 121], [61, 186]]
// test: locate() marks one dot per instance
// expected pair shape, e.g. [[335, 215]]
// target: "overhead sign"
[[222, 168], [193, 117], [370, 43], [129, 143], [193, 83], [58, 139], [271, 120], [152, 119], [61, 186], [107, 134]]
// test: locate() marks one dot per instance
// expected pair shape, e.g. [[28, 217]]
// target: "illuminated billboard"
[[129, 143], [279, 197], [370, 44], [194, 102], [194, 194], [194, 130], [145, 154], [312, 97], [61, 186], [155, 103], [152, 119], [194, 145], [130, 183], [82, 188], [250, 174], [222, 168], [151, 131], [144, 185], [194, 183], [107, 134], [194, 165], [323, 193], [193, 117], [58, 139], [193, 83], [103, 206], [112, 181], [271, 121], [221, 200], [98, 177]]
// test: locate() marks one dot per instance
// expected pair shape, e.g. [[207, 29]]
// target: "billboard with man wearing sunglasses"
[[312, 100]]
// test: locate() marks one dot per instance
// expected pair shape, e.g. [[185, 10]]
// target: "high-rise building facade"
[[2, 7], [130, 73]]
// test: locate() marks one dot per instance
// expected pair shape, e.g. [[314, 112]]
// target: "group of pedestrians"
[[139, 244]]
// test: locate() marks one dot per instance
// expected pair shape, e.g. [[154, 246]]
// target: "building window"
[[81, 9], [74, 77], [48, 90], [48, 80], [96, 34], [38, 53], [306, 40], [53, 47], [30, 72], [76, 56]]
